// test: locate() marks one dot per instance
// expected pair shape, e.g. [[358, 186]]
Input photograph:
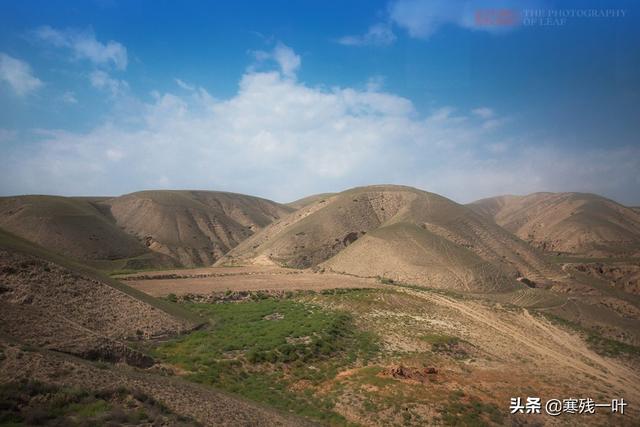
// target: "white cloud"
[[184, 85], [490, 121], [18, 75], [84, 45], [279, 138], [288, 61], [102, 80], [422, 18], [377, 35], [484, 112], [69, 98]]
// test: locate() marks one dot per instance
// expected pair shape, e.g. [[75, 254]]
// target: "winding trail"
[[552, 345]]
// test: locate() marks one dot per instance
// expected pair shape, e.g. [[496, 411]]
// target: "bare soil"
[[250, 278]]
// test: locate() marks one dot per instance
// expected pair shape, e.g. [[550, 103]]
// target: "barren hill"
[[70, 226], [398, 232], [305, 201], [194, 227], [50, 302], [148, 228], [575, 223]]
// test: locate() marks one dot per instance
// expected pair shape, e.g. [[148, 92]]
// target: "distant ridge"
[[305, 201], [193, 227], [575, 223], [144, 229]]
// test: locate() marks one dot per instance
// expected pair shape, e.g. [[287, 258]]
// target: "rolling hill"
[[400, 233], [144, 229], [305, 201], [74, 227], [193, 227], [574, 223]]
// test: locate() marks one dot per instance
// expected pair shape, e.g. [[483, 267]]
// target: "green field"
[[261, 349]]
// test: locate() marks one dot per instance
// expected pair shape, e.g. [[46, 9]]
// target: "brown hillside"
[[451, 236], [408, 253], [305, 201], [72, 310], [145, 229], [193, 227], [73, 227], [575, 223]]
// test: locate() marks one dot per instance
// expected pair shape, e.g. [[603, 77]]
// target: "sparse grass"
[[445, 292], [119, 267], [574, 259], [601, 345], [440, 339], [465, 411], [385, 280], [371, 375], [612, 348], [261, 348], [89, 409], [557, 320], [35, 403]]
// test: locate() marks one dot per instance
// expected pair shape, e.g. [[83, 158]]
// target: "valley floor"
[[252, 278], [351, 350]]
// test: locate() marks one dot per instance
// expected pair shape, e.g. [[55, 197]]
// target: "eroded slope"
[[314, 234], [575, 223]]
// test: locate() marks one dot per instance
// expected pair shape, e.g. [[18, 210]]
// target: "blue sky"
[[468, 99]]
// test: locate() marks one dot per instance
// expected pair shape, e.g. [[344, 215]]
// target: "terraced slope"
[[465, 246], [575, 223]]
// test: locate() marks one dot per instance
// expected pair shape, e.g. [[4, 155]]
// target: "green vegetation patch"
[[264, 349], [440, 339], [262, 331], [35, 403], [612, 348]]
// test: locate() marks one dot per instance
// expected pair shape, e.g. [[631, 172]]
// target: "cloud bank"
[[282, 139]]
